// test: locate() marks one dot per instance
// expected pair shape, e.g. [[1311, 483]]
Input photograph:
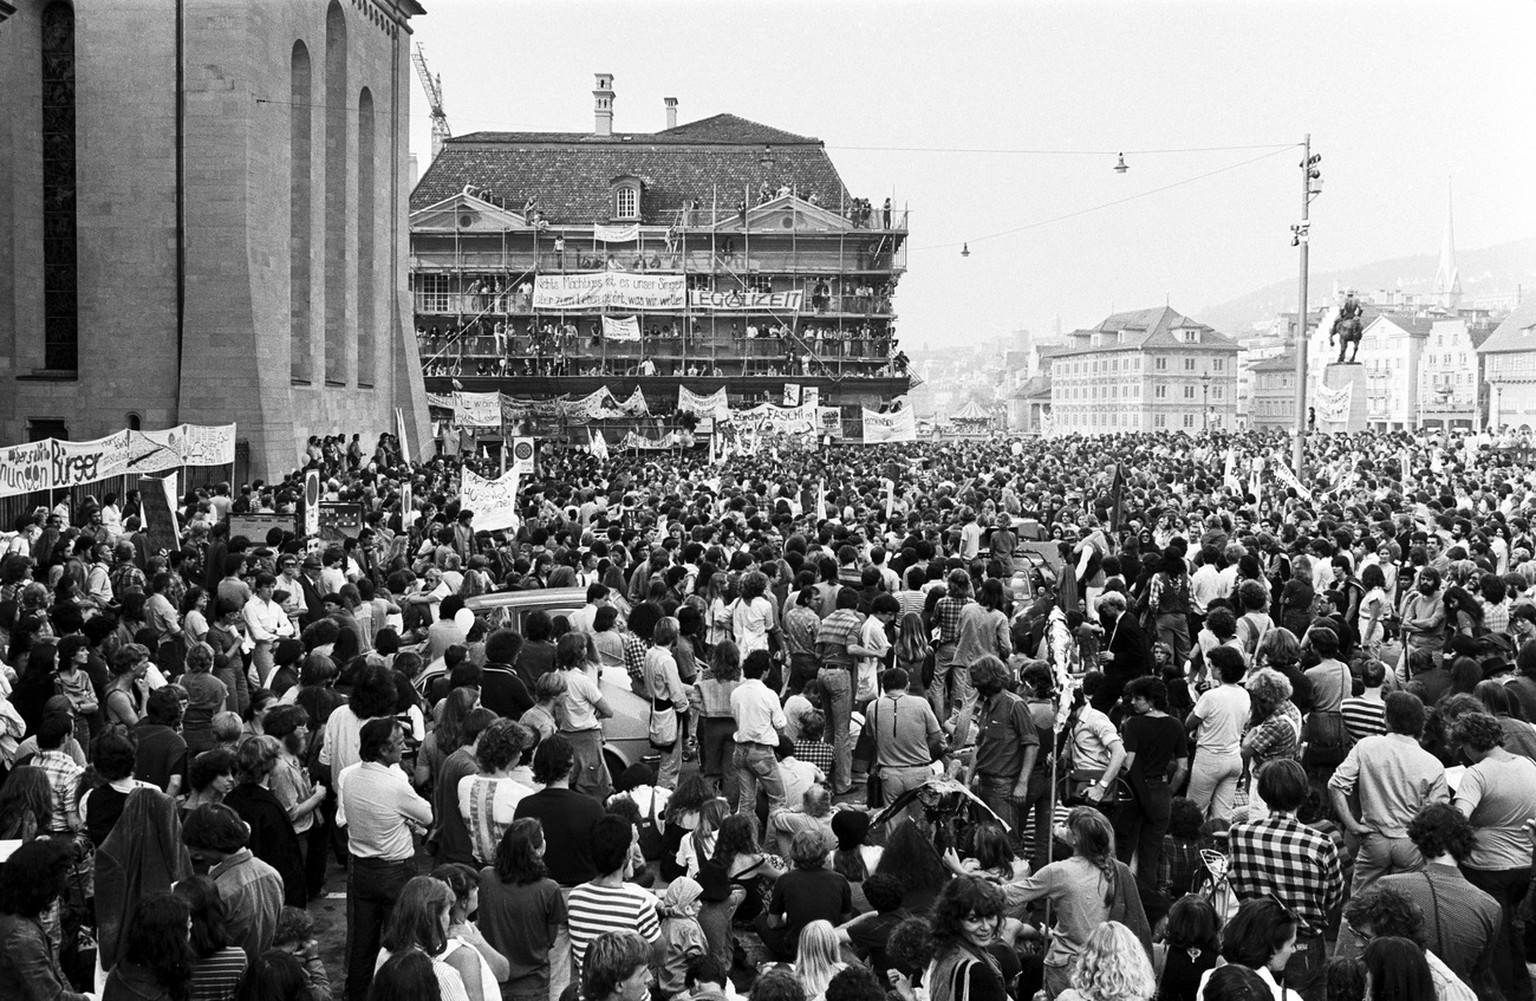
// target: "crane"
[[434, 88]]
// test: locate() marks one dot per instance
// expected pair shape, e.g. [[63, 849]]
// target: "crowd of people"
[[1073, 718]]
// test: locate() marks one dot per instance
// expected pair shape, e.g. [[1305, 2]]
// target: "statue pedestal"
[[1341, 404]]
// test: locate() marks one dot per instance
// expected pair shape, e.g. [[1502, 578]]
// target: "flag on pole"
[[1117, 497], [821, 500]]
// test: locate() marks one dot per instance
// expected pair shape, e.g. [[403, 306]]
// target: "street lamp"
[[1205, 384]]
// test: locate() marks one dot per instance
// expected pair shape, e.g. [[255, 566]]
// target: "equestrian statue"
[[1347, 327]]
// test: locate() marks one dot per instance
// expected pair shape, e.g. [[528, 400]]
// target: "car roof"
[[544, 597]]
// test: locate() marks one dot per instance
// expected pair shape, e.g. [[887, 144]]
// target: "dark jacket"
[[272, 838], [29, 968]]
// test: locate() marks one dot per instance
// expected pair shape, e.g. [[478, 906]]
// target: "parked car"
[[626, 736]]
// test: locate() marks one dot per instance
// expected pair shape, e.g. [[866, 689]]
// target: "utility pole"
[[1309, 173]]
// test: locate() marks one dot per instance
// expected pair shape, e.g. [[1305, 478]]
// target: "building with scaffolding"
[[716, 254]]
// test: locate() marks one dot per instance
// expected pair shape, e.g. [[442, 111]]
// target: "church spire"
[[1448, 278]]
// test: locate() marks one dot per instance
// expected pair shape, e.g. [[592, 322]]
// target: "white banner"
[[778, 420], [1229, 473], [621, 328], [493, 502], [616, 234], [898, 426], [599, 444], [635, 405], [615, 289], [523, 454], [477, 410], [810, 396], [53, 465], [791, 394], [713, 405], [733, 300], [1333, 404], [1283, 471]]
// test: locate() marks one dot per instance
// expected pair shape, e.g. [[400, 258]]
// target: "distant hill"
[[1490, 271]]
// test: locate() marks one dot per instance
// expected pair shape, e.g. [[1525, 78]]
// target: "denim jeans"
[[756, 763], [1379, 855], [997, 792], [938, 689], [838, 683], [373, 886]]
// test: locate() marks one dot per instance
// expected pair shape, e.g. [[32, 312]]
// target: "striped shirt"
[[1364, 717], [217, 978], [594, 909]]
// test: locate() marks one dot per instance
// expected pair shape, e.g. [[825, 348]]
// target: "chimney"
[[671, 103], [602, 104]]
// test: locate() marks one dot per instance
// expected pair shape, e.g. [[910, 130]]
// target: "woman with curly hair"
[[521, 910], [1498, 794], [220, 966], [752, 615], [1112, 967], [1275, 730], [1085, 890], [158, 960], [30, 883], [967, 920]]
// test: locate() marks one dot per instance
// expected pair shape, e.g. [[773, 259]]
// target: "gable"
[[788, 213], [466, 213]]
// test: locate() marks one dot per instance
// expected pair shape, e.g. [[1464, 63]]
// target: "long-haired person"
[[967, 919], [30, 882], [522, 910], [410, 976], [26, 803], [1192, 947], [1113, 966], [277, 975], [817, 959], [1085, 890], [481, 967], [158, 961], [1396, 970], [420, 924], [220, 965]]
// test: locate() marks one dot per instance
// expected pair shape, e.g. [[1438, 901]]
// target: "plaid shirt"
[[946, 615], [837, 632], [634, 660], [815, 752], [124, 577], [63, 779], [1178, 866], [1495, 617], [1279, 855]]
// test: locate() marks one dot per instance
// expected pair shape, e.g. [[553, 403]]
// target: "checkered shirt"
[[1280, 855], [946, 615], [634, 659], [63, 780], [815, 752]]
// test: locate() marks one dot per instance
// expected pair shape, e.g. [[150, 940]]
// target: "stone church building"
[[203, 220]]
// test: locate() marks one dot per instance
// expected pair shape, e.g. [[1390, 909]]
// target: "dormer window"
[[626, 199]]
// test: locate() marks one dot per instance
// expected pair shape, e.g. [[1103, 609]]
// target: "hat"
[[850, 827], [681, 892], [334, 598], [312, 563]]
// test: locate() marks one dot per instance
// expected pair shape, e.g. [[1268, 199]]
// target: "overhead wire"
[[1105, 205]]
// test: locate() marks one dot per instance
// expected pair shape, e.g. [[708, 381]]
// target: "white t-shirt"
[[581, 698], [1223, 712]]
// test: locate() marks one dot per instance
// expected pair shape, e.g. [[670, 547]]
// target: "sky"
[[991, 120]]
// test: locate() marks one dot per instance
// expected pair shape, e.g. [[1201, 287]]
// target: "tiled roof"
[[1039, 385], [1155, 329], [570, 173], [1511, 334]]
